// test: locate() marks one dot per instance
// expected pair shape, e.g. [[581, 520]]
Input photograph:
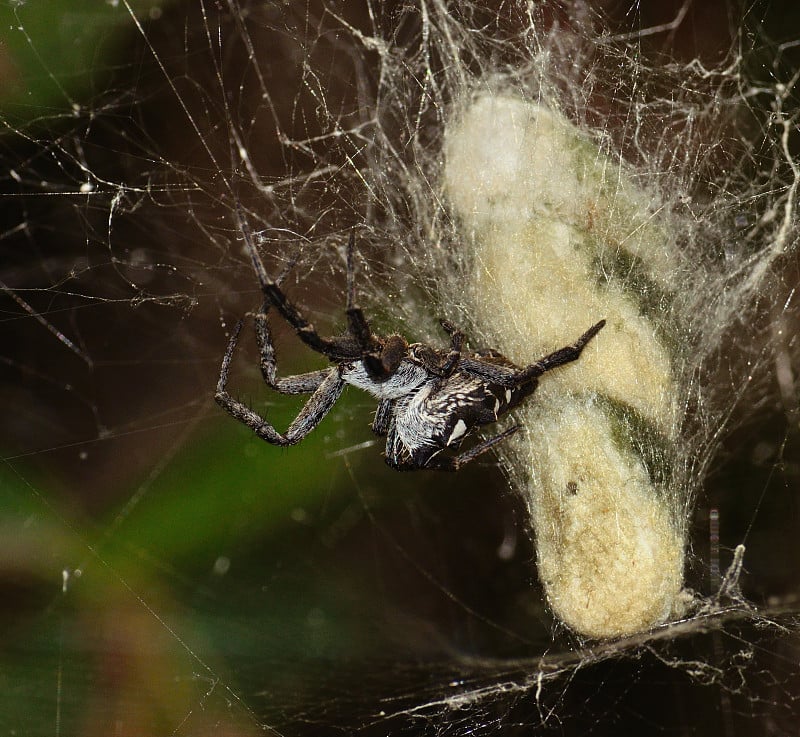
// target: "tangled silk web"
[[525, 170]]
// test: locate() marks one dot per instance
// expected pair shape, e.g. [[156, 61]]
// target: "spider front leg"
[[561, 356], [318, 405], [381, 357], [273, 294], [356, 321]]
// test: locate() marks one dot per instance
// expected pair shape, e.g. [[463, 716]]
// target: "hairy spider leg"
[[357, 322], [443, 463], [298, 384], [333, 349], [314, 410], [456, 343], [383, 417], [381, 356], [510, 378], [431, 359], [561, 356]]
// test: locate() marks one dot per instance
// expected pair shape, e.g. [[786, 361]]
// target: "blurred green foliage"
[[227, 485], [56, 53], [140, 593]]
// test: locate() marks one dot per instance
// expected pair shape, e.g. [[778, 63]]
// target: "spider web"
[[167, 573]]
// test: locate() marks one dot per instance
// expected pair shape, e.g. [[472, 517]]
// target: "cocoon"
[[560, 239]]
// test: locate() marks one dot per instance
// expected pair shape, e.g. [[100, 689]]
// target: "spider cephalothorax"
[[430, 399]]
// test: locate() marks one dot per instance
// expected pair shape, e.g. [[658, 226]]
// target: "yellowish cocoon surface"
[[609, 556], [557, 230]]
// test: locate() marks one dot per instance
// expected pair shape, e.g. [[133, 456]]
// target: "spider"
[[429, 398]]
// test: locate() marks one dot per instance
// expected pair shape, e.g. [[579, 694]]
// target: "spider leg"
[[561, 356], [359, 327], [383, 417], [298, 384], [511, 378], [275, 296], [315, 409], [454, 356], [312, 413], [431, 359], [381, 357], [444, 463]]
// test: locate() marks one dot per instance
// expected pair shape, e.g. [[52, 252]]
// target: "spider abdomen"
[[436, 417]]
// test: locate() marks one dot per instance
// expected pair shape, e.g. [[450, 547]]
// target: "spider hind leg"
[[454, 463], [494, 368], [563, 355]]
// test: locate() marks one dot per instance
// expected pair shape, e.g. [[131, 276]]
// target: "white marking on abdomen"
[[458, 431]]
